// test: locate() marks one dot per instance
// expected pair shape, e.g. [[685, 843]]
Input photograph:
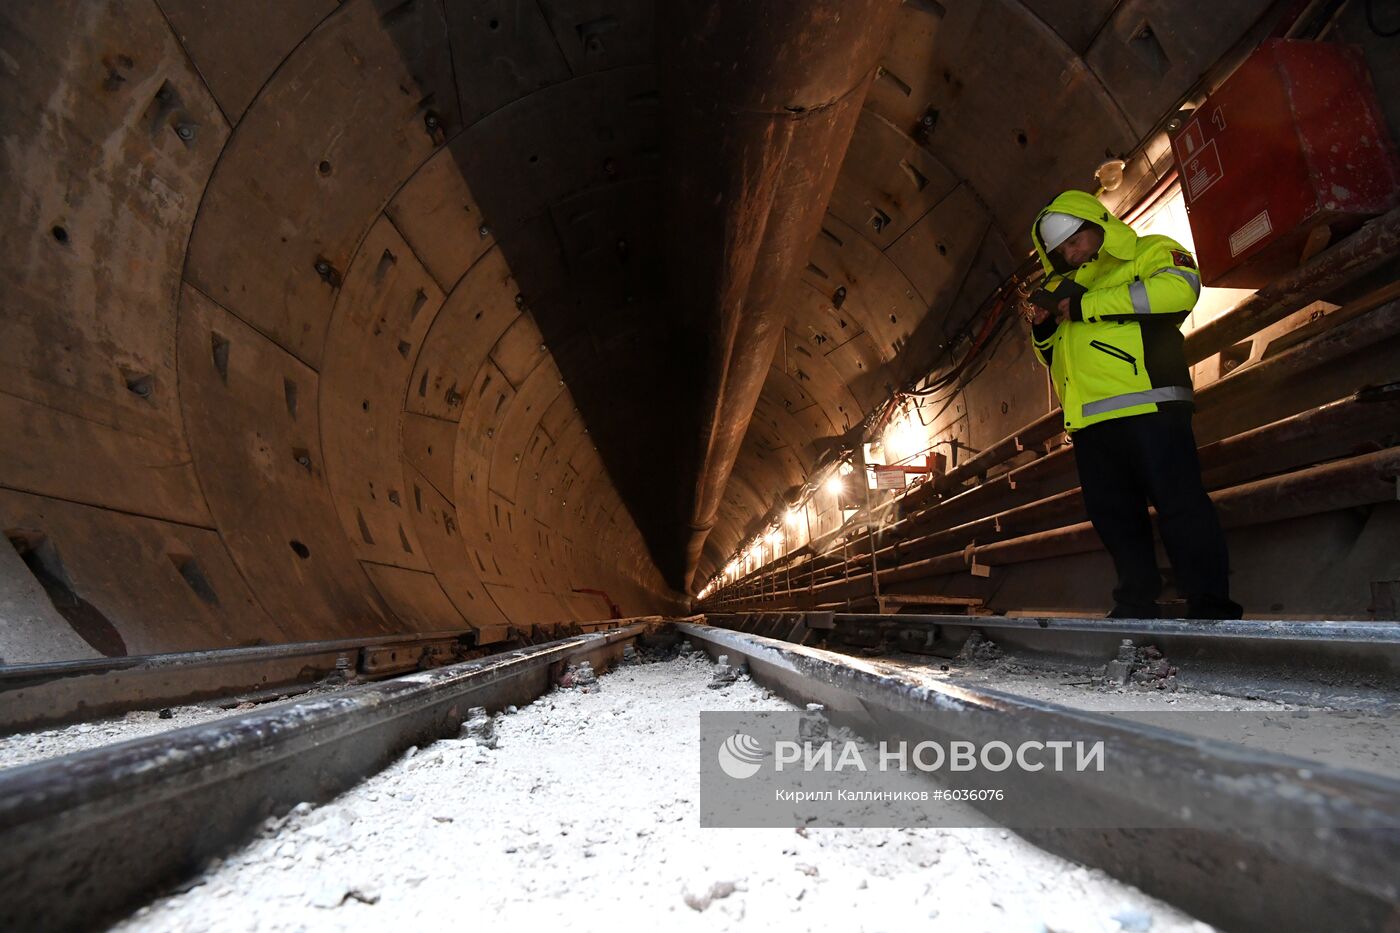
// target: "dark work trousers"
[[1124, 464]]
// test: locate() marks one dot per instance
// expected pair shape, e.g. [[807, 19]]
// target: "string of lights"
[[894, 433]]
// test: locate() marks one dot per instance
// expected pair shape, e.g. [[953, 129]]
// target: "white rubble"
[[586, 816], [29, 747]]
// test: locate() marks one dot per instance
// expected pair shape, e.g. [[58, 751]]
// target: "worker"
[[1107, 322]]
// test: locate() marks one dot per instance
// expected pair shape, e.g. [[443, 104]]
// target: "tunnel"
[[340, 319], [464, 327]]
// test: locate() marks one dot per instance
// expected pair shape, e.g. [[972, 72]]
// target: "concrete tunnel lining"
[[407, 344], [360, 316]]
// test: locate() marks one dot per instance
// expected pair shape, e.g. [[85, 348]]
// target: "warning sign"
[[1252, 232], [1203, 170], [889, 479]]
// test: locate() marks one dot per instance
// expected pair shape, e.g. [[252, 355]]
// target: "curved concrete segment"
[[271, 369]]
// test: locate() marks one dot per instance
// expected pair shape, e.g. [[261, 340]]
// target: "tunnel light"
[[774, 537], [835, 484], [1110, 174], [903, 440]]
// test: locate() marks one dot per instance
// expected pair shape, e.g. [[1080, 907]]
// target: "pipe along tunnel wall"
[[335, 319]]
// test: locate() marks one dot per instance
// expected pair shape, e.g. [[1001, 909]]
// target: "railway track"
[[1272, 841], [36, 695], [88, 835], [1354, 665]]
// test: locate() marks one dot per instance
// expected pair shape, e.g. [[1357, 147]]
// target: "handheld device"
[[1050, 295]]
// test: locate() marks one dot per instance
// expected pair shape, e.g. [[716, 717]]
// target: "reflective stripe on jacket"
[[1127, 355]]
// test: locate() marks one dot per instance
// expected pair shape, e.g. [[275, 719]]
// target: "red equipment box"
[[1292, 142]]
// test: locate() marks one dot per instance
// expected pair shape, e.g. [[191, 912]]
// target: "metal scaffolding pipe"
[[1361, 350], [1331, 430], [1356, 481], [1327, 431], [1032, 435], [1366, 250], [1370, 417]]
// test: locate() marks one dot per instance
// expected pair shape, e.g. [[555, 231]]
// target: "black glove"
[[1045, 299], [1057, 290]]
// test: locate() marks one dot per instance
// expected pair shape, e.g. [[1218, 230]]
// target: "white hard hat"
[[1055, 228]]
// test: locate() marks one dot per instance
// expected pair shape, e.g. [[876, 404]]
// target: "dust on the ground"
[[41, 744], [1148, 678], [585, 815], [29, 747], [1335, 737]]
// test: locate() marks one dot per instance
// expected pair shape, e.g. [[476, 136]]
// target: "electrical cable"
[[992, 325]]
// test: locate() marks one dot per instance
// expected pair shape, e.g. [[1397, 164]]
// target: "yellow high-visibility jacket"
[[1123, 353]]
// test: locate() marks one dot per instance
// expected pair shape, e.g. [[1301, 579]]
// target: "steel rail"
[[86, 836], [1354, 665], [1263, 850], [53, 693]]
